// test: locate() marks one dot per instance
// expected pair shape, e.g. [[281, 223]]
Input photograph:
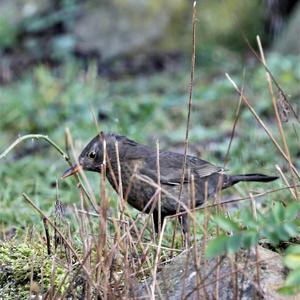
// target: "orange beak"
[[73, 170]]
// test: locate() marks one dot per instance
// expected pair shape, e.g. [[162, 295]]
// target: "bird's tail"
[[252, 177]]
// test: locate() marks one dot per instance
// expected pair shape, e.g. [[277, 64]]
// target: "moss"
[[238, 18], [20, 261]]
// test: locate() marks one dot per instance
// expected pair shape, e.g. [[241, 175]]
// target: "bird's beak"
[[73, 170]]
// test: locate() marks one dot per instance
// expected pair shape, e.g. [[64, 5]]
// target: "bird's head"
[[91, 158]]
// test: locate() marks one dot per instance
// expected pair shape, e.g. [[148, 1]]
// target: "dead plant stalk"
[[259, 120], [277, 117], [186, 141]]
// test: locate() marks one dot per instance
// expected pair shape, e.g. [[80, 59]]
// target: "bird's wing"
[[171, 168], [202, 167], [167, 176]]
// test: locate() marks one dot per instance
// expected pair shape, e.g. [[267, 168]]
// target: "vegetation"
[[74, 238], [146, 108]]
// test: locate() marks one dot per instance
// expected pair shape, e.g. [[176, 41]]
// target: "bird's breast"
[[135, 191]]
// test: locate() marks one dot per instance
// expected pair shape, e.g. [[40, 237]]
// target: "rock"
[[288, 41], [276, 13], [175, 281], [116, 28], [15, 10], [12, 13]]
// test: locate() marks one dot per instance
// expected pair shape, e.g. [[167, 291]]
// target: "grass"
[[144, 108], [44, 103]]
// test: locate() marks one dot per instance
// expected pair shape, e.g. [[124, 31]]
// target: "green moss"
[[238, 18], [20, 261]]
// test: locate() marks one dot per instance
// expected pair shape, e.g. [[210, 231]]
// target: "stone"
[[288, 42], [116, 28], [179, 278]]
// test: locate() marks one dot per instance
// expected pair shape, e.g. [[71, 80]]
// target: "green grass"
[[144, 108]]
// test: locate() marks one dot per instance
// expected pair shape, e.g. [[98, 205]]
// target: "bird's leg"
[[155, 219], [184, 222]]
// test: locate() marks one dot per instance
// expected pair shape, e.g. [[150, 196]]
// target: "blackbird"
[[139, 175]]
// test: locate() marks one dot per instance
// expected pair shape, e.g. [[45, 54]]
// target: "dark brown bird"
[[139, 176]]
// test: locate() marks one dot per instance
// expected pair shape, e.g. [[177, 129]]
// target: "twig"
[[259, 120], [73, 277], [278, 119], [52, 276], [90, 194], [204, 238], [197, 256], [285, 181], [280, 90], [156, 262], [36, 136], [48, 140], [120, 187], [203, 207], [237, 115], [254, 212], [186, 141], [47, 236], [31, 277], [159, 190], [62, 236]]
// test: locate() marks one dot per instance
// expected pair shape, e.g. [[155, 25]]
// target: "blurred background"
[[128, 63]]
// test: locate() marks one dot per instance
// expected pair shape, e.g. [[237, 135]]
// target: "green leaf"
[[234, 243], [248, 219], [292, 258], [271, 236], [289, 290], [291, 229], [226, 224], [224, 243], [281, 233], [293, 249], [291, 211], [293, 278], [216, 246], [278, 212], [250, 238]]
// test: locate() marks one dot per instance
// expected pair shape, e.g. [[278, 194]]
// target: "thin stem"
[[159, 190], [186, 142], [66, 241], [38, 137], [259, 120], [277, 117]]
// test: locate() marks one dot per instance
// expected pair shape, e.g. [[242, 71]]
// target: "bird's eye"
[[92, 155]]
